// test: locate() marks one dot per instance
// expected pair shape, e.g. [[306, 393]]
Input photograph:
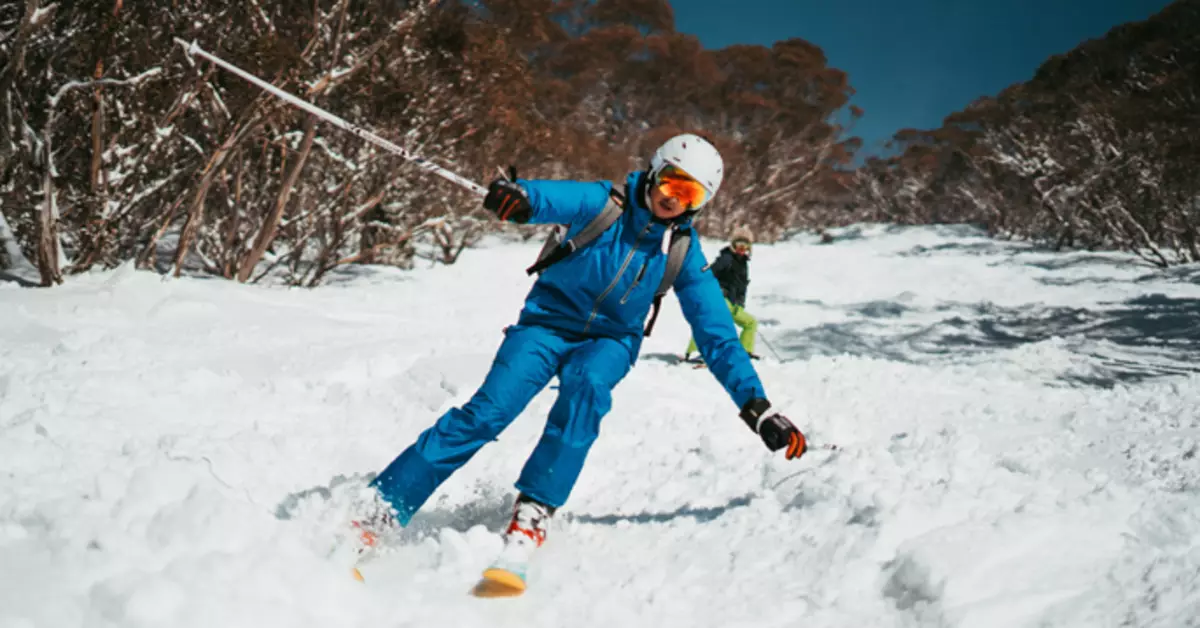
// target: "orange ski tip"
[[357, 574], [505, 577], [499, 583]]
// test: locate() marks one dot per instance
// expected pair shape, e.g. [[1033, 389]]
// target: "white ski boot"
[[375, 521], [526, 532]]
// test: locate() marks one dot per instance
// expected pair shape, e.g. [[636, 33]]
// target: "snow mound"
[[1017, 437]]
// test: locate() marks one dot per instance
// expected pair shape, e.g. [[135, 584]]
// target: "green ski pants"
[[742, 319]]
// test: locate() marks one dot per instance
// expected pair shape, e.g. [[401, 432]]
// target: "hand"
[[508, 200], [776, 431]]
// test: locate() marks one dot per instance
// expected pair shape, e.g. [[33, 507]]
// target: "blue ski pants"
[[587, 367]]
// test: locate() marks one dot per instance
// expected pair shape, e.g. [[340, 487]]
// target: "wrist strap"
[[754, 412]]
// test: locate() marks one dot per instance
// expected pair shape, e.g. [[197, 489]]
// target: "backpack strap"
[[552, 254], [681, 241]]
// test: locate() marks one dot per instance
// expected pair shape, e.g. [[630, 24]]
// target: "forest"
[[118, 147], [1098, 150]]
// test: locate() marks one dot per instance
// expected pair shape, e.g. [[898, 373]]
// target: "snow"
[[132, 81], [1017, 429], [42, 13], [193, 143], [19, 266]]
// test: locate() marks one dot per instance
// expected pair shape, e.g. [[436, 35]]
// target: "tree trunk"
[[234, 196], [97, 131], [48, 250], [195, 210], [270, 226], [12, 70]]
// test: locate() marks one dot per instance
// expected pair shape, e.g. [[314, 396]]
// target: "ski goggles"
[[677, 184], [741, 246]]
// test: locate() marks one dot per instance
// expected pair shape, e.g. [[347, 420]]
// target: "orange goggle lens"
[[686, 190]]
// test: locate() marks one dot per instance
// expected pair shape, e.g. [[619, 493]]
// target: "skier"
[[582, 321], [732, 270]]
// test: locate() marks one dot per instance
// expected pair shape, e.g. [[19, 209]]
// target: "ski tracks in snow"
[[150, 430]]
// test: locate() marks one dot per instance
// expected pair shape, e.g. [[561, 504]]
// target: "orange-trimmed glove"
[[508, 200], [776, 431]]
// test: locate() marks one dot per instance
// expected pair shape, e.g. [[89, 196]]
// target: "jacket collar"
[[729, 249]]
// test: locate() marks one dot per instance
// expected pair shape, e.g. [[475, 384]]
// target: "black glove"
[[507, 199], [775, 430]]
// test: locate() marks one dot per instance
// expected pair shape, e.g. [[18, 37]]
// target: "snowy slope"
[[1019, 434]]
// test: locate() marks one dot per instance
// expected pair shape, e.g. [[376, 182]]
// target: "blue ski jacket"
[[607, 287]]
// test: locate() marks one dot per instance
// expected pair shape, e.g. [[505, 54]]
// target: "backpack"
[[555, 250]]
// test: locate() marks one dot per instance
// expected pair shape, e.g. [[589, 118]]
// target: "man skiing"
[[732, 270], [583, 321]]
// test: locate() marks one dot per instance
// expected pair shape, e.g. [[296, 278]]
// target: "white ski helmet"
[[693, 155]]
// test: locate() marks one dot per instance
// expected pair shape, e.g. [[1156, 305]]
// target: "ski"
[[499, 582]]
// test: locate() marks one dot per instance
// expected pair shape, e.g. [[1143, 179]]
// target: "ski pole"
[[769, 345], [193, 49]]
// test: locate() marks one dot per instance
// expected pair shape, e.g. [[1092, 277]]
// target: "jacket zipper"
[[620, 272], [636, 281]]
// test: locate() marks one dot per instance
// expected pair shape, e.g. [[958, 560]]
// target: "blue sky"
[[913, 62]]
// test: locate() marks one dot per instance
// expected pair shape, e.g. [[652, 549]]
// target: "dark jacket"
[[733, 273]]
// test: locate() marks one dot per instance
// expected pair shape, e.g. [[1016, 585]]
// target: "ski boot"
[[526, 532], [368, 531]]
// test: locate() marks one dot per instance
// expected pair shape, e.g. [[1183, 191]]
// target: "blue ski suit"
[[582, 321]]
